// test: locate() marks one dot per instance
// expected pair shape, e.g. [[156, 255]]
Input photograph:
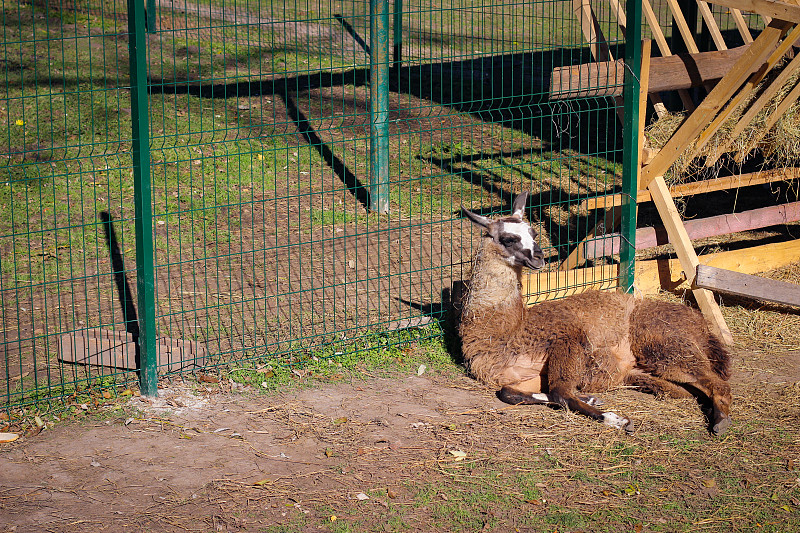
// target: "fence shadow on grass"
[[511, 90]]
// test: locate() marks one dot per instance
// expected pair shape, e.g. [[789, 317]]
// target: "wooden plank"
[[656, 274], [698, 229], [681, 71], [613, 215], [711, 104], [701, 187], [711, 24], [610, 221], [683, 27], [755, 108], [591, 30], [655, 28], [749, 87], [785, 104], [769, 8], [619, 14], [117, 349], [742, 26], [687, 256], [730, 282], [663, 47], [644, 89]]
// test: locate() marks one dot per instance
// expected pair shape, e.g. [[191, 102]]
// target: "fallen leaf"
[[391, 493], [458, 455], [421, 370], [631, 490], [126, 392], [8, 437], [107, 394], [328, 452], [38, 421], [339, 421], [207, 378], [262, 482], [361, 496], [332, 518], [709, 488]]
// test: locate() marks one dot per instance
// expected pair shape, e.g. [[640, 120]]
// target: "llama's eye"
[[509, 240]]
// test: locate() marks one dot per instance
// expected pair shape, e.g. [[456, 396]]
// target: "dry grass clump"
[[778, 144]]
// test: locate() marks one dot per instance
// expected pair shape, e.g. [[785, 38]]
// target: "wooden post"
[[687, 257]]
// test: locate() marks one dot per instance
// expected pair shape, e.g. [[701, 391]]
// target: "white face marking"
[[615, 421], [523, 230]]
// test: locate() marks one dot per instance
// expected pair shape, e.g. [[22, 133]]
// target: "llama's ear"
[[518, 206], [480, 220]]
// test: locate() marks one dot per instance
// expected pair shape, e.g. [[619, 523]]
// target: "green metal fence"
[[189, 184]]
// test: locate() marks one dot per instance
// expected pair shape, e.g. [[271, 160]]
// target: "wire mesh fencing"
[[297, 204]]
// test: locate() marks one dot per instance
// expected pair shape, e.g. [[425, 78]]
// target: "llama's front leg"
[[566, 361]]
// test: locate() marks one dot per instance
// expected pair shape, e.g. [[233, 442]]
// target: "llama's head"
[[514, 236]]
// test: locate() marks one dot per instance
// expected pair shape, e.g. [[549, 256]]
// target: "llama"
[[556, 352]]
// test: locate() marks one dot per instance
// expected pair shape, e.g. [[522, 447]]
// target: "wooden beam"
[[755, 108], [619, 14], [663, 47], [680, 71], [683, 27], [745, 92], [711, 104], [784, 106], [591, 30], [700, 187], [656, 274], [711, 24], [698, 229], [730, 282], [742, 26], [769, 8], [687, 256]]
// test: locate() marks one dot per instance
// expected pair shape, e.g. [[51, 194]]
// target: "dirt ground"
[[381, 453]]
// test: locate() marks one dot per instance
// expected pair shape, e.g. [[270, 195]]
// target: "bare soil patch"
[[385, 454]]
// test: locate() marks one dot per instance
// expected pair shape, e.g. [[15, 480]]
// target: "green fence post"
[[397, 34], [151, 16], [630, 164], [147, 359], [379, 106]]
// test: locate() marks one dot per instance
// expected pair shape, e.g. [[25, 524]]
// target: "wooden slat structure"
[[750, 66]]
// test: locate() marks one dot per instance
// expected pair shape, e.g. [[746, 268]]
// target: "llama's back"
[[663, 324]]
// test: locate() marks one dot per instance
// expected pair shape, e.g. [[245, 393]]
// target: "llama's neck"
[[494, 298]]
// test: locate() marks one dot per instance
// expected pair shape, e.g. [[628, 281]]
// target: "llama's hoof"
[[721, 427]]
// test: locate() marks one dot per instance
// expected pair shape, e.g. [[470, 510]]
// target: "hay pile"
[[779, 145]]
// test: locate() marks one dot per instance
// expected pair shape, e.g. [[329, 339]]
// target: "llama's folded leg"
[[654, 385], [528, 392], [715, 388], [566, 360]]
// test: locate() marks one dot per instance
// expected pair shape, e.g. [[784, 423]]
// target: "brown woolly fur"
[[593, 341]]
